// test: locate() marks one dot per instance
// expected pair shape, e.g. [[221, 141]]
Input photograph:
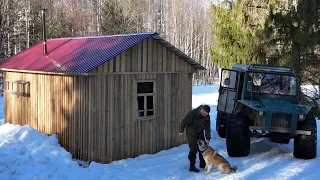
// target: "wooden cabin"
[[106, 97]]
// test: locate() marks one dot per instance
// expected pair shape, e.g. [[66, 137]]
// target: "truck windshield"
[[272, 84]]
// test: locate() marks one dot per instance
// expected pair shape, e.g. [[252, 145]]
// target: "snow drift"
[[26, 153]]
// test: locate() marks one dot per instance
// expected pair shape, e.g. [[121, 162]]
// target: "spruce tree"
[[295, 28], [236, 37]]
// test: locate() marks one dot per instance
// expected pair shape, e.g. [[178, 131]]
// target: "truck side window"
[[229, 79]]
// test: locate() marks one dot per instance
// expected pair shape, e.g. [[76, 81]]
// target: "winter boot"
[[192, 157], [193, 167], [202, 162]]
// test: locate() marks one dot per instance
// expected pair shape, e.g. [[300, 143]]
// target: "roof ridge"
[[104, 36]]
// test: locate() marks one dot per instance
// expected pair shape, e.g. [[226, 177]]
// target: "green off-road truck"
[[263, 101]]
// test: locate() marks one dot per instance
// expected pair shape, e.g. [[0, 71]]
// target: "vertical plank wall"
[[129, 137], [51, 107], [148, 56], [94, 117], [72, 107], [150, 60]]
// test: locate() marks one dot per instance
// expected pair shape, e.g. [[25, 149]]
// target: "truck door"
[[228, 90]]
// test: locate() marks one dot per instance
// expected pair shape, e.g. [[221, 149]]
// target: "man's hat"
[[206, 108]]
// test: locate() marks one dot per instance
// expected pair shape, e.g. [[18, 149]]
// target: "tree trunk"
[[296, 50]]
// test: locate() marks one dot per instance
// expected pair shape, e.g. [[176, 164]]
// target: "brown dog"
[[212, 158]]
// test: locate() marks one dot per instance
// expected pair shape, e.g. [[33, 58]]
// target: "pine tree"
[[236, 39]]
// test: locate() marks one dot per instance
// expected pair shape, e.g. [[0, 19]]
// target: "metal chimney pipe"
[[44, 37]]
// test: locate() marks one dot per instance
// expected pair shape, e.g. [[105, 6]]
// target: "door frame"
[[228, 89]]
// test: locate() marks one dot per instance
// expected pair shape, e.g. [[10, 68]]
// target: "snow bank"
[[310, 90], [309, 87], [29, 154]]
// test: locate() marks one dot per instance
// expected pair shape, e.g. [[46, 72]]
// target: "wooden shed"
[[106, 97]]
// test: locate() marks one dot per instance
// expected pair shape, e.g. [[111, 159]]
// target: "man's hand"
[[180, 134]]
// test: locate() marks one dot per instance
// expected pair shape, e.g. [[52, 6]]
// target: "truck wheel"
[[221, 125], [305, 146], [238, 136]]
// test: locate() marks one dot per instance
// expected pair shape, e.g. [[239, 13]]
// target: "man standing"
[[195, 122]]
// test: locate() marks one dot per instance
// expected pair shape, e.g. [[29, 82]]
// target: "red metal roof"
[[77, 55]]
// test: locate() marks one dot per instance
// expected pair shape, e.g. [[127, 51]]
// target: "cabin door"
[[145, 123]]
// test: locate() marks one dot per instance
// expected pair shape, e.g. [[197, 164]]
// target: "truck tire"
[[221, 124], [238, 136], [305, 146]]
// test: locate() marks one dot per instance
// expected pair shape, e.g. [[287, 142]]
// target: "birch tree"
[[184, 23]]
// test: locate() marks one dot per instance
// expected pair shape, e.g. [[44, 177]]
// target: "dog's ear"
[[206, 142], [199, 142]]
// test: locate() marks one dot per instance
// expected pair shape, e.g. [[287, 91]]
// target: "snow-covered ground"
[[28, 154]]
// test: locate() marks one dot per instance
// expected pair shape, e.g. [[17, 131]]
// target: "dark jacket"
[[196, 123]]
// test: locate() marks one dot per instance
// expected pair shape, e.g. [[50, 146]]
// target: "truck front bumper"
[[280, 130]]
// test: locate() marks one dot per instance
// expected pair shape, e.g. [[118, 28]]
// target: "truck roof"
[[264, 68]]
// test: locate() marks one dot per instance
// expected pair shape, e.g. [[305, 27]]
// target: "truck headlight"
[[260, 113], [301, 116]]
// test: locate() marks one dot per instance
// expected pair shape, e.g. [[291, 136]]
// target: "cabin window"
[[145, 99], [19, 88]]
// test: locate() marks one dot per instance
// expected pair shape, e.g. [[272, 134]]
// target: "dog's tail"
[[235, 168]]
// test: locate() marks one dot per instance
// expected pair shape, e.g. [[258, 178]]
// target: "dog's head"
[[203, 145]]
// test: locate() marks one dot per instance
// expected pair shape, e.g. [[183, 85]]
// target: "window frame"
[[145, 95], [17, 87]]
